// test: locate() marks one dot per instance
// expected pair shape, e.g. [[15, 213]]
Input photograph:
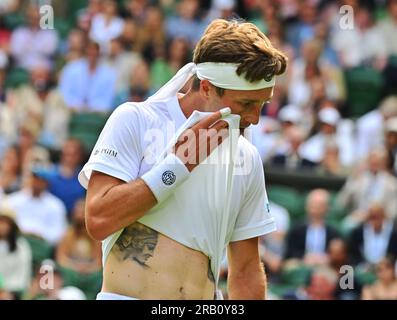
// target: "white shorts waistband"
[[113, 296]]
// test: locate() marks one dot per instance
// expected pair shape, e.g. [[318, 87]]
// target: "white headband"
[[222, 75]]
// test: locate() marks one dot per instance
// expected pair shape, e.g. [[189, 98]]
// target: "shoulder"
[[74, 66], [131, 112], [249, 162], [247, 149], [15, 197]]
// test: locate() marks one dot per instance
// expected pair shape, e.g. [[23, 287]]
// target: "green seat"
[[336, 213], [280, 290], [14, 20], [41, 250], [295, 277], [86, 127], [364, 87], [63, 27], [16, 77], [89, 283], [366, 277], [288, 198]]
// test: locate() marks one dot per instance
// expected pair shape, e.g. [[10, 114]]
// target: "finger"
[[211, 119], [219, 125]]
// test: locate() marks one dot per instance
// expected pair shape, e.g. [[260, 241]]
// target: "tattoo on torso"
[[137, 243]]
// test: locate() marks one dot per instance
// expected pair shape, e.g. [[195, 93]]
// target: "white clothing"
[[15, 267], [370, 133], [103, 32], [44, 216], [315, 239], [213, 207], [85, 90], [29, 46], [375, 244], [314, 148], [112, 296]]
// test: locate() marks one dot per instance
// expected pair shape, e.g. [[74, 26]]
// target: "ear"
[[205, 88]]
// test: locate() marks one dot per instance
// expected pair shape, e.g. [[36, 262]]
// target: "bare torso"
[[145, 264]]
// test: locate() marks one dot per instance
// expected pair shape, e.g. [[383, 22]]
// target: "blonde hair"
[[242, 43]]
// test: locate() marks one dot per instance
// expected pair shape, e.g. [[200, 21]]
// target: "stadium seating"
[[364, 88]]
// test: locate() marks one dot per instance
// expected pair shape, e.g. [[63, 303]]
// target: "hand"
[[196, 143]]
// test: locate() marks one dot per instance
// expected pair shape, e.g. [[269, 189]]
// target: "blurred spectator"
[[385, 288], [373, 240], [374, 184], [163, 69], [63, 182], [187, 22], [339, 257], [30, 43], [322, 286], [106, 26], [137, 9], [10, 171], [388, 28], [309, 242], [289, 158], [151, 37], [88, 84], [303, 29], [362, 44], [75, 45], [123, 62], [129, 35], [45, 288], [15, 255], [85, 16], [391, 144], [314, 148], [270, 136], [306, 69], [371, 126], [26, 143], [3, 73], [38, 212], [71, 293], [77, 250], [222, 9], [331, 164], [272, 246], [9, 6]]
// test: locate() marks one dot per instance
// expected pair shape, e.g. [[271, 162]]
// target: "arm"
[[247, 279], [113, 204]]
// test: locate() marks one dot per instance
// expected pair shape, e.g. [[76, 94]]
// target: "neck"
[[67, 171], [36, 193], [316, 222]]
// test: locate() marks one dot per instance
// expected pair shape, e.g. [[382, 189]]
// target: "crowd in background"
[[333, 114]]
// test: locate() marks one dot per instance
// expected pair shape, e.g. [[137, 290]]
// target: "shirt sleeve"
[[118, 150], [254, 218]]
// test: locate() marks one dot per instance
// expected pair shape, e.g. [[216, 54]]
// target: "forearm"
[[248, 285], [118, 207]]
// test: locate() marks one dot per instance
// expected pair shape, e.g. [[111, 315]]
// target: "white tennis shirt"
[[213, 207]]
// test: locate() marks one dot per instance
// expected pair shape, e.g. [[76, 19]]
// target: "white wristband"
[[166, 176]]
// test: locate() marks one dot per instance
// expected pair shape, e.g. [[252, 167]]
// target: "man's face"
[[246, 103]]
